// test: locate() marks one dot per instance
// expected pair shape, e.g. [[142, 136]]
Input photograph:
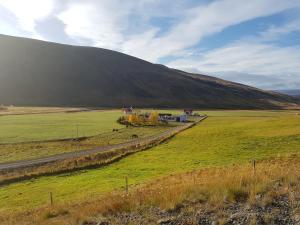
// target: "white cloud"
[[206, 20], [128, 26], [275, 32], [105, 23], [266, 60], [98, 22], [246, 57], [28, 12]]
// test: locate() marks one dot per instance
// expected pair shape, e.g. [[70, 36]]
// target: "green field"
[[33, 135], [31, 150], [226, 137], [13, 110], [40, 127]]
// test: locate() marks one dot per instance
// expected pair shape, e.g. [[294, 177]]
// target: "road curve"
[[69, 155]]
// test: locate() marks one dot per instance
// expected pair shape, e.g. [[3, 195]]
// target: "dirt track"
[[60, 157]]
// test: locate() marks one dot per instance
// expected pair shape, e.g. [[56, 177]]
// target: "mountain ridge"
[[39, 73], [291, 92]]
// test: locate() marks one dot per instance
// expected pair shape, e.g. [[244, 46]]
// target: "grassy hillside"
[[226, 137], [48, 74]]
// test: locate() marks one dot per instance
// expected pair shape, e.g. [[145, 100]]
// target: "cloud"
[[142, 28], [269, 82], [51, 28], [106, 23], [128, 26], [97, 21], [28, 12], [206, 20], [264, 60], [275, 32]]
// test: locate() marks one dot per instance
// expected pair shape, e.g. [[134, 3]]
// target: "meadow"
[[224, 138], [42, 127], [38, 135], [31, 150], [18, 110]]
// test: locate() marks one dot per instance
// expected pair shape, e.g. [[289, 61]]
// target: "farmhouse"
[[188, 111], [166, 117], [182, 118], [127, 110], [169, 117]]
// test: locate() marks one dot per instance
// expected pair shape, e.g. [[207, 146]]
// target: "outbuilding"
[[182, 118], [166, 117], [188, 111], [127, 110]]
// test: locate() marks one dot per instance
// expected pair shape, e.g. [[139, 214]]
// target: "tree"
[[153, 118], [133, 119]]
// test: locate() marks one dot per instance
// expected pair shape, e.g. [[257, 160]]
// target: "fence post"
[[51, 199], [254, 176], [254, 167], [126, 184]]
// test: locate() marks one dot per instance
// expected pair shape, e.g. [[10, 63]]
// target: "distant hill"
[[295, 92], [40, 73]]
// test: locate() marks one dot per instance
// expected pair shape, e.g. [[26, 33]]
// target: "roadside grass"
[[236, 137], [213, 188]]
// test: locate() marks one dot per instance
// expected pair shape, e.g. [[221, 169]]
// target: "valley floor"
[[224, 139]]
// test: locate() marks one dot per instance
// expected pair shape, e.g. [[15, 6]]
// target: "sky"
[[253, 42]]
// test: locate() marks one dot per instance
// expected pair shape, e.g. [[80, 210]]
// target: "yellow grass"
[[213, 186]]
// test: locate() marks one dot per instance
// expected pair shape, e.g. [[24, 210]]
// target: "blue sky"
[[253, 42]]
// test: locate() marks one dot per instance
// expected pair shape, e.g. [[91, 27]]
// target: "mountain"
[[41, 73], [295, 92]]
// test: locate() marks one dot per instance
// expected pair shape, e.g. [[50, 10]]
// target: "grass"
[[213, 189], [12, 110], [224, 138], [41, 127], [30, 150], [32, 135]]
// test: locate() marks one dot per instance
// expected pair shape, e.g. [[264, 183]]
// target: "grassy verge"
[[212, 188], [222, 139]]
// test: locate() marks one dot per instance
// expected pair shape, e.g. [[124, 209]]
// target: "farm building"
[[188, 111], [182, 118], [169, 117], [127, 110], [166, 117]]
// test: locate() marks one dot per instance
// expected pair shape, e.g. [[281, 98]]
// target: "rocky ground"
[[274, 207]]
